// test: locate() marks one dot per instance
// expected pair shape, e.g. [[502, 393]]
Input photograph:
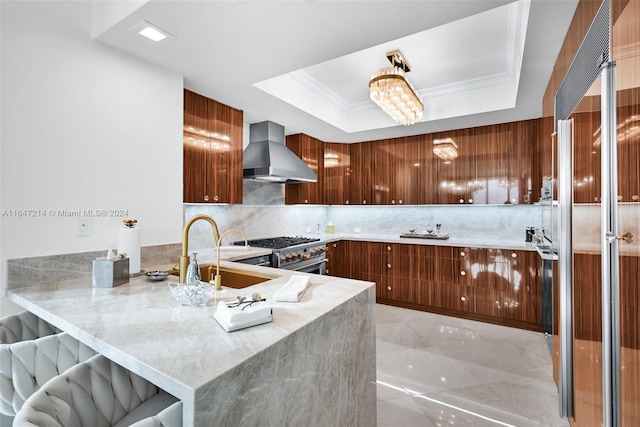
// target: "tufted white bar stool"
[[32, 351], [24, 326], [98, 393], [26, 366]]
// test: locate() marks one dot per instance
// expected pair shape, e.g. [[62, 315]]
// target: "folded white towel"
[[234, 318], [293, 290]]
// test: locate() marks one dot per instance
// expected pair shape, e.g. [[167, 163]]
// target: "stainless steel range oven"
[[303, 254]]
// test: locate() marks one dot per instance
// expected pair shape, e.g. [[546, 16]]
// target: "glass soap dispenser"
[[193, 271]]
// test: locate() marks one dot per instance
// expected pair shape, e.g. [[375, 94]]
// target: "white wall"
[[84, 127]]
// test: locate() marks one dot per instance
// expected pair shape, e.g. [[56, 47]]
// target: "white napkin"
[[293, 290], [234, 318]]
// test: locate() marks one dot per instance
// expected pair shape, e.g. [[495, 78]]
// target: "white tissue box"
[[107, 273]]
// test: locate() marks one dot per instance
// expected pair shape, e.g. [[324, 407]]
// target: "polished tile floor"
[[443, 371]]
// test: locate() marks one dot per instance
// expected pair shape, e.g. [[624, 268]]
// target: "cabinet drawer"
[[453, 297]]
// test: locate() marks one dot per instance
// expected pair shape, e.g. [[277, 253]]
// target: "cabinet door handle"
[[206, 197], [388, 288], [463, 273], [463, 299], [388, 265], [393, 202], [364, 202], [335, 245], [400, 201], [514, 255], [627, 237], [306, 200], [388, 248], [215, 198], [463, 253]]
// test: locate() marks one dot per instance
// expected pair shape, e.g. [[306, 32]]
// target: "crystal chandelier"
[[445, 148], [390, 89]]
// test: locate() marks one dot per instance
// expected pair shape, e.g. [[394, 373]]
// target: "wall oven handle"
[[308, 265]]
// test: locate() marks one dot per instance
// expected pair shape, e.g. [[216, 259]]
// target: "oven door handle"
[[264, 264], [308, 265]]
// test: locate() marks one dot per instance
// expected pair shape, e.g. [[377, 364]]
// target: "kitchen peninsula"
[[313, 365]]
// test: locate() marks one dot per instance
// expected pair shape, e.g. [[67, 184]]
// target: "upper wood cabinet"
[[629, 148], [490, 165], [311, 151], [212, 151], [361, 176], [494, 165], [587, 151], [337, 172]]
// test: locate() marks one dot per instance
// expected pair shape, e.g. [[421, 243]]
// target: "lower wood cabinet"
[[493, 285]]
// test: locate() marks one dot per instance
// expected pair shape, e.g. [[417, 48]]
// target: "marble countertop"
[[181, 349], [470, 241]]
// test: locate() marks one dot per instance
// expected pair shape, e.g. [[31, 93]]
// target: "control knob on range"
[[307, 256]]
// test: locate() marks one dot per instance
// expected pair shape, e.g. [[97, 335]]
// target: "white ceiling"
[[306, 64]]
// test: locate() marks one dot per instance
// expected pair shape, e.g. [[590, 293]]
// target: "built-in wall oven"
[[303, 254]]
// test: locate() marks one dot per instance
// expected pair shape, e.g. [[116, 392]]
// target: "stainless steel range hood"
[[267, 159]]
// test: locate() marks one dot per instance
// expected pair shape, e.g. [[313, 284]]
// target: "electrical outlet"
[[83, 226]]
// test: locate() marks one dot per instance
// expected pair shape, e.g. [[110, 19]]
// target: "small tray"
[[425, 236]]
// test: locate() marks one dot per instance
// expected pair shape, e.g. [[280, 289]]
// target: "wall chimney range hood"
[[267, 159]]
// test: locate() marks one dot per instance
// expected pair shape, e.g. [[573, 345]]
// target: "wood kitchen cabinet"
[[587, 159], [362, 176], [586, 152], [509, 285], [311, 151], [493, 165], [391, 183], [406, 273], [493, 285], [338, 263], [420, 170], [212, 151], [629, 147], [337, 173], [452, 291]]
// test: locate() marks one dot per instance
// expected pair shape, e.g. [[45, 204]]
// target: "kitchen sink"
[[231, 277]]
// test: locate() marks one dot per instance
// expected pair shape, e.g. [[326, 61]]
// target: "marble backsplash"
[[254, 221], [55, 268], [498, 222]]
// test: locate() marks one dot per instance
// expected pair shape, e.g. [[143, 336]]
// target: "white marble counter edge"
[[288, 318]]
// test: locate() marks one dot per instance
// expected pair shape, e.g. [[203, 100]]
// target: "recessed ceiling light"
[[153, 33]]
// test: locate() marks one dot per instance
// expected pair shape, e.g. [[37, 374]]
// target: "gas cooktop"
[[278, 242]]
